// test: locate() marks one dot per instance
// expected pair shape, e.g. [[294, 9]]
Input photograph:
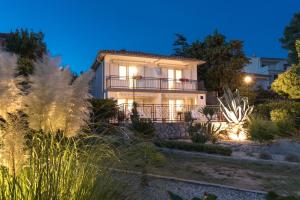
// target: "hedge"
[[207, 148]]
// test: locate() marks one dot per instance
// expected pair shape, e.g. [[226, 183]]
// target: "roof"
[[102, 53], [4, 35]]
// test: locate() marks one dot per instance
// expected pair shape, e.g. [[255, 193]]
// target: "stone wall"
[[172, 130]]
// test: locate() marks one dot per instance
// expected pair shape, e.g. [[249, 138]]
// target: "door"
[[132, 71], [171, 78]]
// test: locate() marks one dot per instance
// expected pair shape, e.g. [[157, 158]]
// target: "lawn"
[[284, 179]]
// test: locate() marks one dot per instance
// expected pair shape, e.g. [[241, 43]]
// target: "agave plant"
[[236, 110]]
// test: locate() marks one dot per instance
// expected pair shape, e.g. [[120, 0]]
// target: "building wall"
[[265, 70]]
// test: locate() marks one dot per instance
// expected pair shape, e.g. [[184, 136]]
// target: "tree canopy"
[[224, 59], [291, 34], [29, 46], [288, 83]]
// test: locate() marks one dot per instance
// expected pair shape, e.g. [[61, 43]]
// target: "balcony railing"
[[168, 113], [151, 83]]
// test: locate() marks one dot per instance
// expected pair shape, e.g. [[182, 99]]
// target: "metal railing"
[[152, 83], [168, 113]]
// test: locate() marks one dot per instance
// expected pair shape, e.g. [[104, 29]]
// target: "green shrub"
[[284, 121], [145, 127], [207, 148], [262, 130], [197, 134], [292, 107], [292, 158], [274, 196], [265, 156], [104, 109]]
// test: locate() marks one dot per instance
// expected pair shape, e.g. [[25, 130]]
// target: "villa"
[[165, 87]]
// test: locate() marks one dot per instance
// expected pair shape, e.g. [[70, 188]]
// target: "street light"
[[248, 80]]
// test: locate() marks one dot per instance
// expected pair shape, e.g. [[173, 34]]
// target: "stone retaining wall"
[[172, 130]]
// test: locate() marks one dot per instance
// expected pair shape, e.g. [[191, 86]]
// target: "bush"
[[265, 156], [284, 121], [207, 148], [292, 107], [197, 134], [143, 126], [292, 158], [262, 130], [274, 196], [104, 109]]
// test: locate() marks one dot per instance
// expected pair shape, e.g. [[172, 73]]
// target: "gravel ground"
[[157, 190]]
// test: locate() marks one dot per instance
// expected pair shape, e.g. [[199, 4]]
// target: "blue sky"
[[77, 29]]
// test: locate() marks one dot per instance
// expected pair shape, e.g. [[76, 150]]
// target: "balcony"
[[169, 113], [151, 83]]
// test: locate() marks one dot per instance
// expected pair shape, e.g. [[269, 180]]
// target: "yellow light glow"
[[237, 137], [248, 79]]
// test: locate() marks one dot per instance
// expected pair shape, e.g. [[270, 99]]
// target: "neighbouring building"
[[165, 87], [265, 70], [3, 37]]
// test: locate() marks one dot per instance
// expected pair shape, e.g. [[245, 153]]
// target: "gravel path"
[[159, 185]]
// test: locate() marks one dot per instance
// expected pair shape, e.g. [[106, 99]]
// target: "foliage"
[[288, 83], [29, 46], [264, 110], [262, 130], [292, 158], [104, 109], [291, 34], [221, 56], [197, 134], [143, 126], [201, 133], [53, 103], [144, 155], [265, 156], [208, 112], [206, 196], [274, 196], [284, 120], [60, 168], [207, 148], [236, 110]]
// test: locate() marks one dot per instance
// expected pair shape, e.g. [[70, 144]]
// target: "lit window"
[[179, 105], [121, 101], [178, 75], [130, 104], [122, 72]]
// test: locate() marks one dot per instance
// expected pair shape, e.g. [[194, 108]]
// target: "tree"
[[29, 46], [288, 83], [291, 34], [224, 60]]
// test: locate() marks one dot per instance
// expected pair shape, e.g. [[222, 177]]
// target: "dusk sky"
[[76, 30]]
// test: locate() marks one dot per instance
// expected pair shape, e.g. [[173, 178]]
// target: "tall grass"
[[61, 168]]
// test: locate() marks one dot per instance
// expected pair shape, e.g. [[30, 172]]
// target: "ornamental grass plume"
[[10, 94], [55, 102]]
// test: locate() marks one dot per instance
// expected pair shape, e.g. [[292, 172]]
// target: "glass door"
[[132, 71], [171, 78]]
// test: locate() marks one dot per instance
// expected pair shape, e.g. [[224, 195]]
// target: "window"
[[121, 101], [132, 71], [122, 72], [179, 105], [178, 75], [130, 104]]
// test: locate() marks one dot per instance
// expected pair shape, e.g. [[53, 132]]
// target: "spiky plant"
[[236, 111]]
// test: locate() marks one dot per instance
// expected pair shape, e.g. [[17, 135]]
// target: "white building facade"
[[265, 70], [164, 87]]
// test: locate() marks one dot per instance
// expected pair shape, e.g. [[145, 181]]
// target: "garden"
[[57, 142]]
